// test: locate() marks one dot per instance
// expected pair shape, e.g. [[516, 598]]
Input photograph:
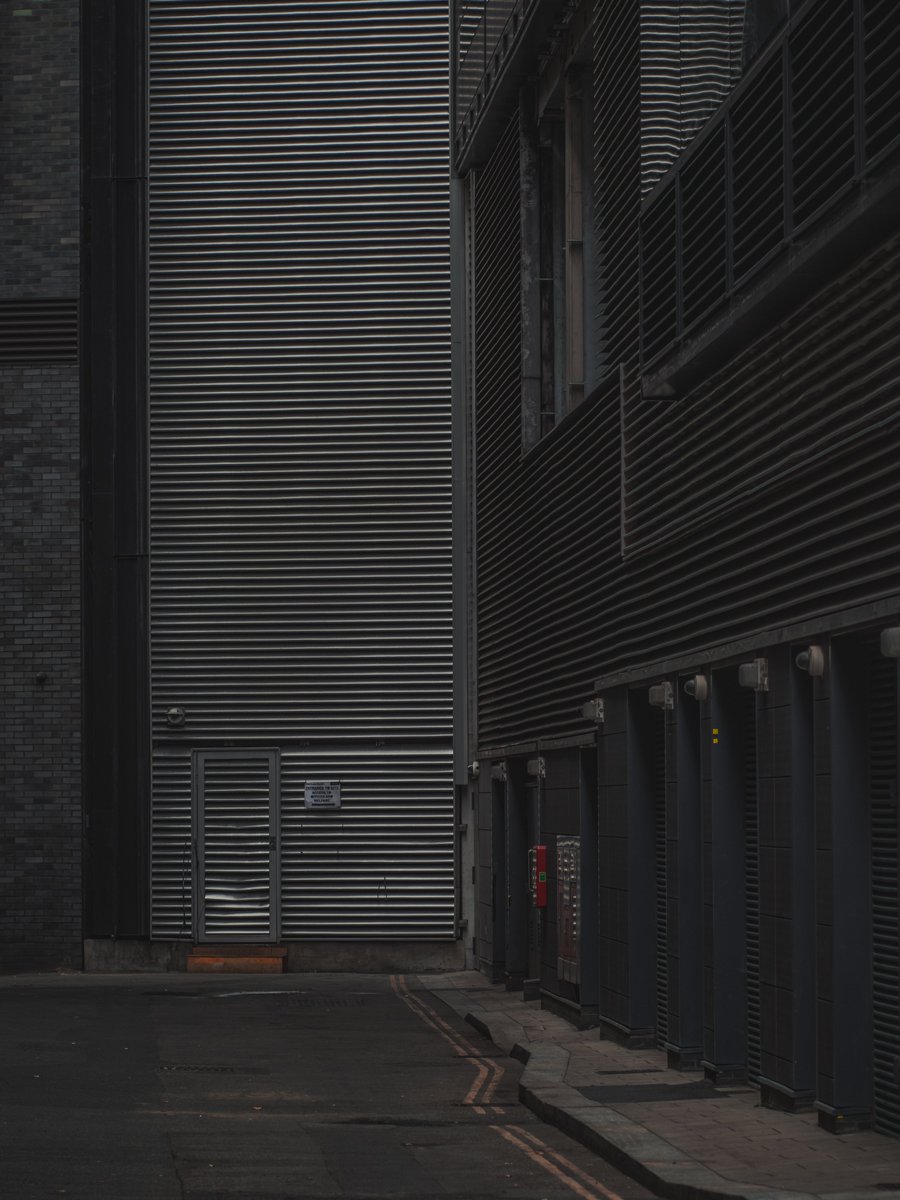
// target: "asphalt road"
[[156, 1087]]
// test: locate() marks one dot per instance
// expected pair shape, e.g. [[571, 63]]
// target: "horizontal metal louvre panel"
[[662, 115], [300, 374], [704, 273], [822, 74], [881, 66], [800, 380], [480, 25], [172, 846], [711, 41], [814, 118], [617, 176], [690, 58], [382, 865], [36, 331], [235, 814], [730, 530], [758, 137], [659, 264], [300, 368], [882, 770]]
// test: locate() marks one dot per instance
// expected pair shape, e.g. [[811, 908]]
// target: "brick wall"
[[40, 790], [39, 155]]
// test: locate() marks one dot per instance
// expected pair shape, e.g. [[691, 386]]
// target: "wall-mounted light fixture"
[[812, 661], [499, 772], [175, 717], [662, 695], [536, 767], [474, 768], [890, 642], [594, 710], [754, 675], [697, 687]]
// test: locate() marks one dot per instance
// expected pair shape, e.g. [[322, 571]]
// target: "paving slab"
[[673, 1131]]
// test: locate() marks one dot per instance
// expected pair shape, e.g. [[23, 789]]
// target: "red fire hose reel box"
[[537, 863]]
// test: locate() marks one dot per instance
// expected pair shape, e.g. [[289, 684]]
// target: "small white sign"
[[322, 793]]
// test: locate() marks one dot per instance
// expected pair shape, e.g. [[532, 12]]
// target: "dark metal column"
[[686, 1032], [114, 453], [724, 1017], [844, 1077]]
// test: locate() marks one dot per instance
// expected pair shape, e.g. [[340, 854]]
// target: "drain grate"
[[212, 1069], [331, 1001], [198, 1067]]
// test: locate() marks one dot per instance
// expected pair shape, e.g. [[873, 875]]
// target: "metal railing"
[[815, 115], [480, 27]]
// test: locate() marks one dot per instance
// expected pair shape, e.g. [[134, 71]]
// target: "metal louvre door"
[[236, 810], [300, 440]]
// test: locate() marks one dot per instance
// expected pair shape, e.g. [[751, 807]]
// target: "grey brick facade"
[[40, 769], [39, 150]]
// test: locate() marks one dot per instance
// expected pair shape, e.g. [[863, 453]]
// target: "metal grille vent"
[[38, 331], [300, 406], [882, 754]]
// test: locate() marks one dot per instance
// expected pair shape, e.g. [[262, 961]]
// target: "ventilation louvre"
[[882, 766], [300, 439], [38, 331]]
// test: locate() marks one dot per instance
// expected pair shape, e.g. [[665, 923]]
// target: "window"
[[557, 252]]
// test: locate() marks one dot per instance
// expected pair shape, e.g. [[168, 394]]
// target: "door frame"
[[198, 760]]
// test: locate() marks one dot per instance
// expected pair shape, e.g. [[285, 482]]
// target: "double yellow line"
[[480, 1097]]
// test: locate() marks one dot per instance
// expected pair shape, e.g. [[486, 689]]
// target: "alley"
[[157, 1086]]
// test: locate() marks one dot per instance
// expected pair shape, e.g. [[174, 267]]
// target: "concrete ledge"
[[138, 954], [405, 957], [134, 954]]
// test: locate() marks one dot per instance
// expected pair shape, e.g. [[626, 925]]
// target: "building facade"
[[680, 395], [40, 592], [226, 352]]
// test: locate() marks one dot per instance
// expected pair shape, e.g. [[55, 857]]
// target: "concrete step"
[[237, 959]]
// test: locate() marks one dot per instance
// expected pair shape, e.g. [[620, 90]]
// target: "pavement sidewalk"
[[670, 1130]]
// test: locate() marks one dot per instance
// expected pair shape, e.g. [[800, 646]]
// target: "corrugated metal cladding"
[[690, 59], [300, 442], [726, 530]]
